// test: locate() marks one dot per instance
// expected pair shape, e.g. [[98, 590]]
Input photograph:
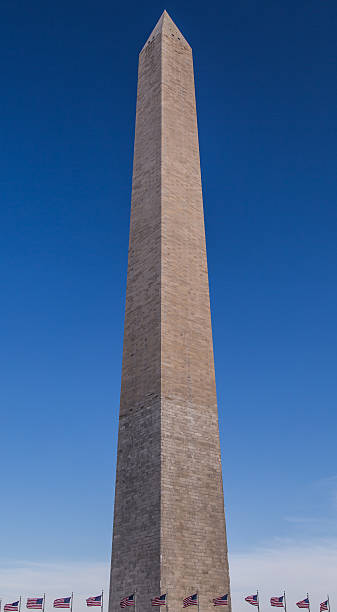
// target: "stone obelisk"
[[169, 525]]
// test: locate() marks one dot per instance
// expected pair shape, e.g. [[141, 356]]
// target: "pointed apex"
[[166, 26]]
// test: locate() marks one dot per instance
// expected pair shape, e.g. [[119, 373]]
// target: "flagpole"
[[102, 602], [308, 601], [165, 598], [20, 604], [329, 603], [198, 600], [44, 602], [285, 601], [71, 605], [258, 600]]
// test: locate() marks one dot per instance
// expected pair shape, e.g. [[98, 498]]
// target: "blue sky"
[[266, 96]]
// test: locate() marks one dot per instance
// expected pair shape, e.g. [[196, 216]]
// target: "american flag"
[[277, 602], [252, 599], [94, 601], [128, 601], [159, 601], [13, 607], [191, 600], [324, 605], [221, 601], [35, 603], [304, 603], [62, 602]]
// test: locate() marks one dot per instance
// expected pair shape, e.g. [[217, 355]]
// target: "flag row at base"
[[38, 603], [281, 602], [222, 600]]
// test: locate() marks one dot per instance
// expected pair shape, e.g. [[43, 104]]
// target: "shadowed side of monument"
[[169, 525], [136, 534]]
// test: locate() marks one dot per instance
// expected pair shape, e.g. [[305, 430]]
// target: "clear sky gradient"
[[266, 96]]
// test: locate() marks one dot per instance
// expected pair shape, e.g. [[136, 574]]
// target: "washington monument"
[[169, 533]]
